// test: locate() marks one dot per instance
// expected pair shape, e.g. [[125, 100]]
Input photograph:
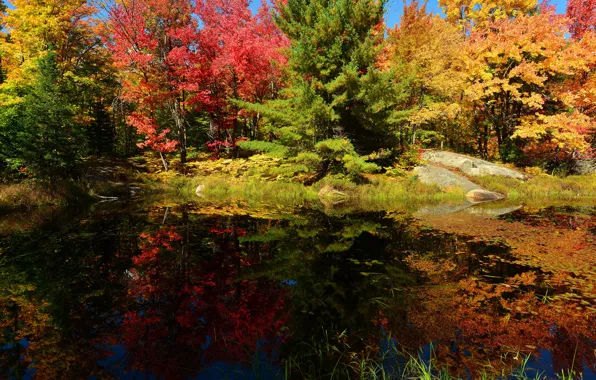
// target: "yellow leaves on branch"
[[567, 131], [473, 14], [427, 49], [34, 26]]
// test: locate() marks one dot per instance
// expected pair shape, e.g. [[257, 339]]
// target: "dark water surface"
[[147, 292]]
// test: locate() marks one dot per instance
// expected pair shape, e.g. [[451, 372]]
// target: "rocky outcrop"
[[469, 165], [447, 180], [582, 167]]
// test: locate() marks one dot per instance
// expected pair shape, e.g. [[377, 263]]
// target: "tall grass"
[[29, 195], [335, 359]]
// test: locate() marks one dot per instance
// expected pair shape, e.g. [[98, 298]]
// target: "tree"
[[583, 16], [478, 14], [424, 54], [34, 27], [156, 45], [245, 54], [513, 69], [40, 133], [68, 31], [332, 58]]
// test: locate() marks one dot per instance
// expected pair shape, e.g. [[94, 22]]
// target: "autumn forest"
[[514, 82]]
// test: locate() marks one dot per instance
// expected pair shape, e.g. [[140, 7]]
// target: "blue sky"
[[395, 8]]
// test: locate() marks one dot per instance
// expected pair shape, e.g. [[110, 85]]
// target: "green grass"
[[334, 358], [380, 194], [542, 187]]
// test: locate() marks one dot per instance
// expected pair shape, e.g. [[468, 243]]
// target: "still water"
[[132, 291]]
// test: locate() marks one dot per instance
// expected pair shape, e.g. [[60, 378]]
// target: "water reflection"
[[173, 293]]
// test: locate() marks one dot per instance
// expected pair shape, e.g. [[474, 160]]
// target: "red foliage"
[[155, 44], [583, 16], [245, 54]]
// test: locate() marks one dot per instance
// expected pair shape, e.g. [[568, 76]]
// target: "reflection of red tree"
[[191, 311]]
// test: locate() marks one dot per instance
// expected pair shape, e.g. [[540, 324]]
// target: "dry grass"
[[27, 195]]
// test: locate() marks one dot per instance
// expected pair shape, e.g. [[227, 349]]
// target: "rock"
[[469, 165], [446, 179], [329, 194], [199, 190], [583, 167], [481, 195], [443, 178]]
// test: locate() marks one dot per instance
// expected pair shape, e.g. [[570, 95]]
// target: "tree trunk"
[[177, 116], [163, 161]]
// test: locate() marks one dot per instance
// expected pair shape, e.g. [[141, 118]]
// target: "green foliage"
[[334, 87], [341, 157], [40, 132], [271, 149]]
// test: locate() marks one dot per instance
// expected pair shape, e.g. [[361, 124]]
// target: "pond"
[[186, 292]]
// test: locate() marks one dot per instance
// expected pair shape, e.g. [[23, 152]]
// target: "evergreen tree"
[[40, 133], [335, 89]]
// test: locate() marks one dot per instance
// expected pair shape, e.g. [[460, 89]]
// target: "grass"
[[333, 358], [379, 194], [542, 187], [29, 195]]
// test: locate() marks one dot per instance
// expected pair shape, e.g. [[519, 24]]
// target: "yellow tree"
[[68, 31], [479, 13], [66, 27], [514, 69], [424, 52]]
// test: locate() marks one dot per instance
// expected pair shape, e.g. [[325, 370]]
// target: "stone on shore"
[[445, 179], [470, 165], [481, 195]]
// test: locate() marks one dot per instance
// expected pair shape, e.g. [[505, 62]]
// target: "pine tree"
[[40, 133], [332, 57]]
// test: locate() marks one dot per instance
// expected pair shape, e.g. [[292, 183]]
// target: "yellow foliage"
[[427, 49], [479, 13], [566, 130]]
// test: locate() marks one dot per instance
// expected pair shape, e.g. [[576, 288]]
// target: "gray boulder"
[[434, 175], [469, 165], [583, 167]]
